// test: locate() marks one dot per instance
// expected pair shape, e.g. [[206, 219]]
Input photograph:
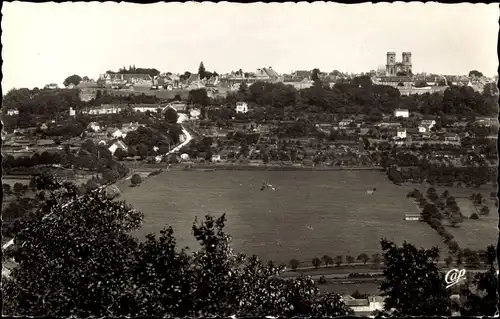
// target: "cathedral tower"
[[390, 67]]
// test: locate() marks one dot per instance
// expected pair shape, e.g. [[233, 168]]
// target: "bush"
[[474, 216], [294, 264], [112, 192], [135, 180], [322, 280], [485, 210]]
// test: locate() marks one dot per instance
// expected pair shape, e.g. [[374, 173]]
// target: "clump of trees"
[[72, 79], [144, 140], [63, 270], [133, 70], [412, 274]]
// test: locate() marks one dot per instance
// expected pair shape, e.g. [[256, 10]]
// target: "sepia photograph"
[[237, 160]]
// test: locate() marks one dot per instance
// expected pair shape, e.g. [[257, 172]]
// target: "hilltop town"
[[128, 125]]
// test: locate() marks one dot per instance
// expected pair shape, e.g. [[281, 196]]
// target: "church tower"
[[407, 62], [390, 67]]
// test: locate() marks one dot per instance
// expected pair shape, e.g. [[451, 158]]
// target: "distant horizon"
[[89, 39]]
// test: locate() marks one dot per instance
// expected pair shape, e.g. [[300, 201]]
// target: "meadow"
[[311, 214]]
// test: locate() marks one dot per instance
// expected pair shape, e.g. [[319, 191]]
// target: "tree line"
[[442, 175], [133, 70]]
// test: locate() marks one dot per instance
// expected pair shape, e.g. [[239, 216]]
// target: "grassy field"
[[472, 234], [310, 215]]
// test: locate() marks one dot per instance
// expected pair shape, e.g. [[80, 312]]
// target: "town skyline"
[[232, 38]]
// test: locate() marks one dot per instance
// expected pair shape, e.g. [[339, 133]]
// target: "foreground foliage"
[[78, 257]]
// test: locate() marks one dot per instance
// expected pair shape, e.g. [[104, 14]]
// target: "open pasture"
[[311, 214]]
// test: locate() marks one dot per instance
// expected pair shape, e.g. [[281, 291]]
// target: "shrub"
[[474, 216], [136, 179], [316, 262], [485, 210], [294, 264], [322, 280], [112, 192]]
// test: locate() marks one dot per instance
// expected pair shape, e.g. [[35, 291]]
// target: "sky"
[[47, 42]]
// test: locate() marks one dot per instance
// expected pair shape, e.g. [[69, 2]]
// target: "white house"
[[94, 126], [146, 107], [130, 127], [181, 117], [185, 157], [116, 145], [178, 106], [401, 133], [345, 123], [116, 133], [241, 107], [426, 125], [51, 86], [72, 112], [401, 113], [13, 112], [216, 158], [364, 307], [103, 109], [195, 114]]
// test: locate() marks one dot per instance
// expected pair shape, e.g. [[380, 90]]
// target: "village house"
[[94, 127], [181, 117], [178, 106], [117, 145], [426, 125], [301, 75], [452, 137], [395, 81], [126, 128], [115, 133], [103, 109], [143, 108], [118, 81], [401, 133], [44, 127], [196, 85], [168, 81], [299, 84], [267, 75], [345, 123], [216, 158], [364, 307], [194, 114], [241, 107], [401, 113], [51, 86], [12, 112]]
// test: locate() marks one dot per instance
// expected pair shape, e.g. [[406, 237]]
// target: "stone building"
[[395, 68]]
